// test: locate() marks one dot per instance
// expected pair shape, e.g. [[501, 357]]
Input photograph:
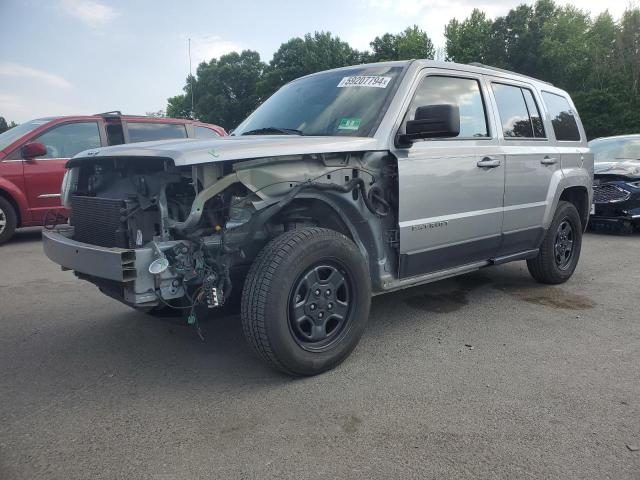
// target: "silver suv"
[[344, 184]]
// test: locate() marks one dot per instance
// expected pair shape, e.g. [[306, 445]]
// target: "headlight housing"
[[69, 184]]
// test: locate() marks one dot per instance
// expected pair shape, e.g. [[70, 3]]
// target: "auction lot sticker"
[[373, 81]]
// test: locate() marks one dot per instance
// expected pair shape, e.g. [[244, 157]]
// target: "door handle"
[[549, 160], [488, 162]]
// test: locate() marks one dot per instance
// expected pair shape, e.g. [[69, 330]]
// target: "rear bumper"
[[119, 272]]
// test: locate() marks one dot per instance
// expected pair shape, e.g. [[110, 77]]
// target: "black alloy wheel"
[[319, 306], [563, 244]]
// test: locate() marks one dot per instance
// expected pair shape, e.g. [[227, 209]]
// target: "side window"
[[562, 117], [67, 140], [518, 111], [464, 92], [534, 114], [204, 132], [150, 131]]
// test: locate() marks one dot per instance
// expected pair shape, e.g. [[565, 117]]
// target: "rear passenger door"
[[532, 161], [571, 146], [451, 189]]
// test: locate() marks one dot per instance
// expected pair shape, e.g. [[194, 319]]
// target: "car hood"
[[194, 151], [623, 168]]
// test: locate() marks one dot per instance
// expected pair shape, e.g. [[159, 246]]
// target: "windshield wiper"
[[268, 130]]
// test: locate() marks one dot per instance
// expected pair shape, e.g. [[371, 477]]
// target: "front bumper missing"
[[121, 273]]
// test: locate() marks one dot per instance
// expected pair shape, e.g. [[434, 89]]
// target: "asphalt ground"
[[489, 375]]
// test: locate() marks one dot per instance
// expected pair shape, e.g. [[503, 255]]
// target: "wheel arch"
[[572, 185], [340, 214], [14, 203], [579, 197]]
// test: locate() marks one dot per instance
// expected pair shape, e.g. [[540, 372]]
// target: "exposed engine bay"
[[190, 228]]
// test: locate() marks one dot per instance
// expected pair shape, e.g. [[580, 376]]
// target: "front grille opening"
[[98, 221], [609, 194]]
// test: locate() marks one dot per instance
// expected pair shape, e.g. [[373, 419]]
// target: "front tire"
[[8, 220], [560, 249], [305, 301]]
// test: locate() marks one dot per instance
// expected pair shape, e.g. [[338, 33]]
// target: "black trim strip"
[[516, 242], [416, 263], [498, 249]]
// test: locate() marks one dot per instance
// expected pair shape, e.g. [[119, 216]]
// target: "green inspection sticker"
[[349, 124]]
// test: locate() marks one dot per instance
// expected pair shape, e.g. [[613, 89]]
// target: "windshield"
[[339, 103], [13, 134], [615, 149]]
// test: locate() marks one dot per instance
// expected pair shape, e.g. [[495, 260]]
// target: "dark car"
[[33, 156], [616, 184]]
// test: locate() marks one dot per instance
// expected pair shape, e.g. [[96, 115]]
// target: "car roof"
[[470, 67], [130, 118], [617, 137]]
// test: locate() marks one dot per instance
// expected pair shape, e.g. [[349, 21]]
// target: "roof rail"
[[482, 65], [112, 113]]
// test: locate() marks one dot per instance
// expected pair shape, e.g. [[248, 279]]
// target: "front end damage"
[[616, 196], [152, 234]]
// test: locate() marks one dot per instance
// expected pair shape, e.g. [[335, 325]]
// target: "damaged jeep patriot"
[[344, 184]]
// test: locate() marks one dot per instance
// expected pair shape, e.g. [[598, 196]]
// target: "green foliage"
[[596, 59], [412, 43], [4, 126], [225, 90], [302, 56], [468, 41]]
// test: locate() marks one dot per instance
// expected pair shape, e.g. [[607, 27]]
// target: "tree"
[[600, 40], [597, 60], [302, 56], [628, 51], [179, 106], [4, 126], [564, 49], [470, 40], [383, 48], [411, 43], [225, 90]]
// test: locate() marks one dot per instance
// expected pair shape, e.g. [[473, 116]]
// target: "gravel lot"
[[486, 376]]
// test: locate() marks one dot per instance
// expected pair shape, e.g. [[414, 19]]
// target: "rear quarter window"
[[562, 117], [204, 132], [148, 132]]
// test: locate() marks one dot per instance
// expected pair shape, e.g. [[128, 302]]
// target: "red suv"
[[33, 157]]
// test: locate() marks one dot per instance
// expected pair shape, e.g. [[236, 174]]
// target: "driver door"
[[43, 175], [451, 189]]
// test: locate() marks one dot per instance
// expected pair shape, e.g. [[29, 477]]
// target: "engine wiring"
[[210, 266]]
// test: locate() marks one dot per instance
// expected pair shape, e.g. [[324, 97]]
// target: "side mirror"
[[33, 150], [433, 121]]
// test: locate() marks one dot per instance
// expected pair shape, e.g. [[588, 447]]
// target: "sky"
[[64, 57]]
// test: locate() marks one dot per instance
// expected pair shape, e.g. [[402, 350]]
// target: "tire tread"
[[542, 268], [259, 282]]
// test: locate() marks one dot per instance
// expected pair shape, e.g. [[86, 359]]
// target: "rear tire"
[[560, 249], [8, 220], [305, 301]]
